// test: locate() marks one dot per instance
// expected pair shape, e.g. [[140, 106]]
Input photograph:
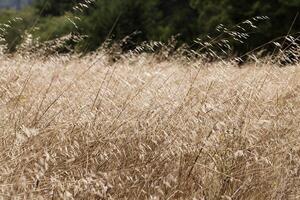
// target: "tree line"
[[158, 20]]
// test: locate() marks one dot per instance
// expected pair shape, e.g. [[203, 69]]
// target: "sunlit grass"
[[144, 128]]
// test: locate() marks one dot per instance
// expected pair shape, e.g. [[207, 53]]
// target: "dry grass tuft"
[[139, 128]]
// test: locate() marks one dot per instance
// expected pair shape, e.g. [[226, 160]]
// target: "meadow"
[[142, 127]]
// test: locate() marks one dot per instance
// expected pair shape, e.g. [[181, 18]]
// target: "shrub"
[[13, 26]]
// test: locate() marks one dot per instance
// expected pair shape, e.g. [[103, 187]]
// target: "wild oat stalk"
[[145, 128]]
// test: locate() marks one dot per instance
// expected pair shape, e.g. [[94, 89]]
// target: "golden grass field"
[[144, 128]]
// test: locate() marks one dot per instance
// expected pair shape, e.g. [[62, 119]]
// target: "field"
[[148, 128]]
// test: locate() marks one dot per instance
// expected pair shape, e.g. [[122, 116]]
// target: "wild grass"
[[146, 128]]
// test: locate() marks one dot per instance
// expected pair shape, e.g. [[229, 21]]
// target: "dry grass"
[[84, 128]]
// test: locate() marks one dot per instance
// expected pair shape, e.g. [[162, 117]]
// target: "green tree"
[[231, 12], [120, 18], [176, 17], [54, 7], [13, 25], [161, 19], [153, 19]]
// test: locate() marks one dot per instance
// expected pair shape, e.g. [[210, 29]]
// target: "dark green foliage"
[[13, 26], [121, 17], [53, 27], [281, 14], [54, 7], [161, 19], [140, 19]]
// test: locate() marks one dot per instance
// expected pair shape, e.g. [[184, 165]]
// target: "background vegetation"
[[152, 20]]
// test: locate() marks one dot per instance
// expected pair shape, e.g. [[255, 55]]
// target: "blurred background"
[[135, 21]]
